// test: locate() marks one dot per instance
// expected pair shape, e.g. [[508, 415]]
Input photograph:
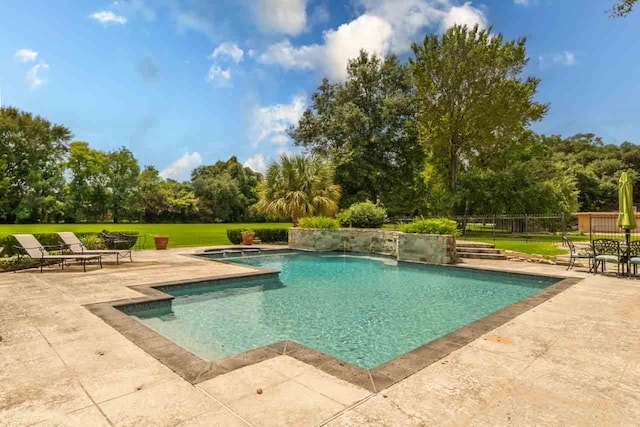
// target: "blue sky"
[[183, 83]]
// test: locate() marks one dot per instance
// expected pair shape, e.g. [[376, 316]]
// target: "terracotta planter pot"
[[247, 239], [161, 242]]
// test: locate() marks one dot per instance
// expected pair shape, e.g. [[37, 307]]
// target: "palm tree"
[[298, 186]]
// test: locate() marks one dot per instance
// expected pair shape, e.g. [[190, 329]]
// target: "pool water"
[[364, 310]]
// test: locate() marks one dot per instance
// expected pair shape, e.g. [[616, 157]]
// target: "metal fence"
[[605, 226], [529, 228]]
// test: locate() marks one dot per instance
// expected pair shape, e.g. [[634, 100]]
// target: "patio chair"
[[575, 254], [34, 249], [74, 244], [116, 240], [607, 250], [634, 255]]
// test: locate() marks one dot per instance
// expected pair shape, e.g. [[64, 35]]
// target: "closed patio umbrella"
[[626, 214]]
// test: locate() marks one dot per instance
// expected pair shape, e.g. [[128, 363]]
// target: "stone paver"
[[572, 360]]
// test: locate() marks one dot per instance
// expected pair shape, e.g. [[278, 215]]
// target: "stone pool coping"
[[194, 369]]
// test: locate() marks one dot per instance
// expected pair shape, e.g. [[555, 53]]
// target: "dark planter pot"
[[247, 239], [161, 242]]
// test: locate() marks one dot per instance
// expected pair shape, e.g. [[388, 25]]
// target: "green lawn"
[[181, 235], [543, 244]]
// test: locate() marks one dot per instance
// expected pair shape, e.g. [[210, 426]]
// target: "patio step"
[[471, 255], [465, 244], [475, 250], [480, 250]]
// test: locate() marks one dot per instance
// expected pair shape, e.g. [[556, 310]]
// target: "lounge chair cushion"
[[634, 260]]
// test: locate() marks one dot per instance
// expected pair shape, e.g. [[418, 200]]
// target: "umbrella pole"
[[627, 235]]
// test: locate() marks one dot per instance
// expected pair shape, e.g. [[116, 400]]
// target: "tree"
[[622, 8], [473, 104], [366, 127], [32, 150], [527, 179], [86, 198], [122, 170], [298, 186], [225, 190], [154, 197], [183, 203]]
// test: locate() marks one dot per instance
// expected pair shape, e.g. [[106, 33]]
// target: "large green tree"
[[473, 103], [165, 200], [32, 151], [121, 169], [298, 186], [596, 167], [226, 190], [87, 189], [366, 127]]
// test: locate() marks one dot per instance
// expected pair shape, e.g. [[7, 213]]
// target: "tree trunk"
[[453, 177]]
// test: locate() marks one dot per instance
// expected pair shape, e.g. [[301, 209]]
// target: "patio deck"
[[571, 360]]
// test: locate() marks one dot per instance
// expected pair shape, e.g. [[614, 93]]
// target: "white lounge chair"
[[34, 249], [77, 247]]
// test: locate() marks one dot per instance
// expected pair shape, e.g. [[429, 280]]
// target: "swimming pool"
[[365, 310]]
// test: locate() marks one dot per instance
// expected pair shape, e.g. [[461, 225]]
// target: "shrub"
[[322, 222], [266, 235], [247, 232], [234, 235], [92, 241], [363, 215], [431, 226]]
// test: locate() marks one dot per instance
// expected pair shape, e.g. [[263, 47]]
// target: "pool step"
[[473, 250]]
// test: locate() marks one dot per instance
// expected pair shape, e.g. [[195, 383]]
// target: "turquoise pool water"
[[364, 310]]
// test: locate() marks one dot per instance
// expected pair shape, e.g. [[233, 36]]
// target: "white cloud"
[[292, 57], [26, 55], [35, 76], [385, 26], [107, 17], [257, 163], [228, 49], [219, 76], [565, 58], [181, 168], [271, 122], [367, 32], [282, 16], [521, 2], [464, 15]]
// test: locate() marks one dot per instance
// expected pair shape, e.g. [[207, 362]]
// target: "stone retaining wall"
[[430, 248]]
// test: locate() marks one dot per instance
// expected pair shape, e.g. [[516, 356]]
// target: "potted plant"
[[161, 242], [247, 237]]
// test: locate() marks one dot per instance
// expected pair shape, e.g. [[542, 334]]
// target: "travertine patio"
[[571, 360]]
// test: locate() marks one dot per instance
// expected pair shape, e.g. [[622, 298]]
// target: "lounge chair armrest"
[[58, 246]]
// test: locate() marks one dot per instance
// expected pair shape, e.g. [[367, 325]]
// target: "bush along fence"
[[525, 227], [265, 235]]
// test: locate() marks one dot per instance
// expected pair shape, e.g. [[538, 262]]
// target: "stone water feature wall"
[[430, 248]]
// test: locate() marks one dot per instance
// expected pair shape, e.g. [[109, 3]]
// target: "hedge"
[[431, 226], [319, 222], [266, 235]]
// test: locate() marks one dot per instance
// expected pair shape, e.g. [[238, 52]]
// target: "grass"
[[533, 248], [181, 235]]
